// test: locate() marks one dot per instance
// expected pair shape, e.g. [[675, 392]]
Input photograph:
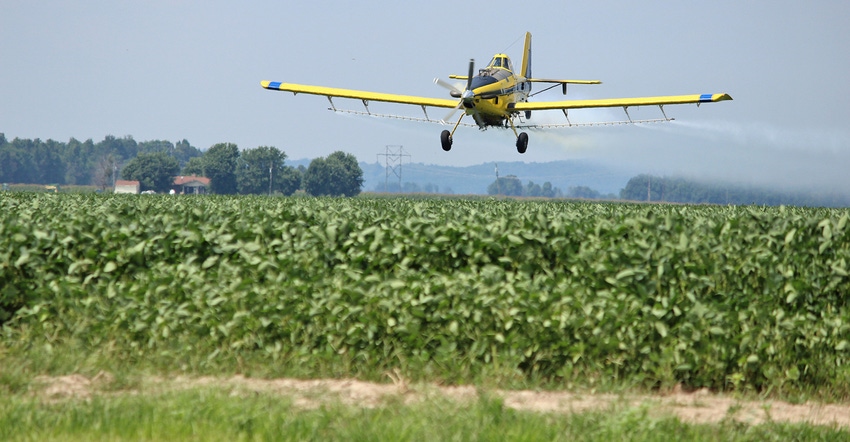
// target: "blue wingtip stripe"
[[705, 98], [276, 85]]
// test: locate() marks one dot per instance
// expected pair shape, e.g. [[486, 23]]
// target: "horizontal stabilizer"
[[546, 80]]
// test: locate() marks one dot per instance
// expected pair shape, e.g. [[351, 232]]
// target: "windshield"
[[479, 81]]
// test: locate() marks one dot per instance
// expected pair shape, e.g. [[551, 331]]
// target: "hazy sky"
[[191, 69]]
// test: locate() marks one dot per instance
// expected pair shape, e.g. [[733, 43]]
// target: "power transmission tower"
[[393, 159]]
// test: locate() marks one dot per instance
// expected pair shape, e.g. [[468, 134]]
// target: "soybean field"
[[558, 293]]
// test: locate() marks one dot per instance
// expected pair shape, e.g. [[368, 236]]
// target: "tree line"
[[409, 187], [510, 185], [681, 190], [79, 162], [155, 164]]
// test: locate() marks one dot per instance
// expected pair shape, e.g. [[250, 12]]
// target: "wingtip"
[[271, 85], [713, 98]]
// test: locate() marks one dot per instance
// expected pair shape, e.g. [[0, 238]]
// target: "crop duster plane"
[[497, 96]]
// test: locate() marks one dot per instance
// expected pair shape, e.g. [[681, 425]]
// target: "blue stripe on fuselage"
[[705, 98], [274, 85]]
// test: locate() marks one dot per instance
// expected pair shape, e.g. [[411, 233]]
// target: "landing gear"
[[522, 142], [446, 140], [521, 138]]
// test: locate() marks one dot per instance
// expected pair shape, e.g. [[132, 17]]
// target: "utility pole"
[[271, 165], [393, 159], [498, 184]]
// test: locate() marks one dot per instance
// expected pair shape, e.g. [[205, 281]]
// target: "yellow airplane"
[[495, 97]]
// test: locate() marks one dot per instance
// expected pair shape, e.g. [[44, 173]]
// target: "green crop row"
[[720, 297]]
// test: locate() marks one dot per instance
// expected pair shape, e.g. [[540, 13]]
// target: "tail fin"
[[525, 69]]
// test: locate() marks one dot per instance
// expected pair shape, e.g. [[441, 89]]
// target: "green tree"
[[154, 171], [104, 172], [337, 175], [50, 169], [10, 164], [195, 166], [152, 146], [259, 169], [78, 159], [16, 162], [220, 167], [532, 189], [507, 185], [288, 181], [185, 152], [642, 188], [547, 190], [31, 161], [119, 148], [582, 192]]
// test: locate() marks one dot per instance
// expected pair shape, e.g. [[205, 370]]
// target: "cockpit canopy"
[[501, 61]]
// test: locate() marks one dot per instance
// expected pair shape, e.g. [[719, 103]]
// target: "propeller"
[[464, 95], [453, 88], [451, 113], [469, 77]]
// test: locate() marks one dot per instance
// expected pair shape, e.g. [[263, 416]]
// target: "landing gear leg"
[[521, 138], [446, 137]]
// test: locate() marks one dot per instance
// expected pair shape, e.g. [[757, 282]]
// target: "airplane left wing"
[[366, 96], [618, 102]]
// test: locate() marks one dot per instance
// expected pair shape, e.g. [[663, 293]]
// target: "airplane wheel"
[[446, 140], [522, 142]]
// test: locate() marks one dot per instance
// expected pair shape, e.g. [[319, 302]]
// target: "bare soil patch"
[[701, 406]]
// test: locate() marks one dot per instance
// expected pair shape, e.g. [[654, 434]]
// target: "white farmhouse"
[[125, 186]]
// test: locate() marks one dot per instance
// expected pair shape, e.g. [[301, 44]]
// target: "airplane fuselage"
[[492, 90]]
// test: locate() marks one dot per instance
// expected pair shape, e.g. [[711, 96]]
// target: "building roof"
[[183, 180], [126, 183]]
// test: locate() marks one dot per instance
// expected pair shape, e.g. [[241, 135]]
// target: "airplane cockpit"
[[499, 68], [501, 61]]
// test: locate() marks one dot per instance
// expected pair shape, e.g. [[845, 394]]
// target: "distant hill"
[[609, 182], [475, 179]]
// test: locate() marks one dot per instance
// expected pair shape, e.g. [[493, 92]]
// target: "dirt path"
[[697, 407]]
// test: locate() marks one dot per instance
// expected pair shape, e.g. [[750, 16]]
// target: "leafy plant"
[[722, 297]]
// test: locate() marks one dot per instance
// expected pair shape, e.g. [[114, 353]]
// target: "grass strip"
[[218, 414]]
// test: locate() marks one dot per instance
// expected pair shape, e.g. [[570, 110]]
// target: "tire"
[[522, 142], [446, 140]]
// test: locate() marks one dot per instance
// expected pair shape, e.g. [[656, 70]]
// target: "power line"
[[393, 159]]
